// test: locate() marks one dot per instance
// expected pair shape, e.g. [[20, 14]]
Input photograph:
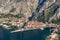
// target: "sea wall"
[[35, 34]]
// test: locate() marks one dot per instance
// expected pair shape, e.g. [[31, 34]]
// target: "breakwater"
[[35, 34]]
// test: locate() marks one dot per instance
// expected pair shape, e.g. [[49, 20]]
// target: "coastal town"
[[30, 19], [20, 22]]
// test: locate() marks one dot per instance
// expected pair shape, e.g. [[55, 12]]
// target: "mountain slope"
[[28, 7]]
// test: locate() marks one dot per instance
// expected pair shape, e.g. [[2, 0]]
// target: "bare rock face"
[[18, 6], [25, 7]]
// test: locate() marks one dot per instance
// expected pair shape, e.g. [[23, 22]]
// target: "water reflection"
[[36, 34]]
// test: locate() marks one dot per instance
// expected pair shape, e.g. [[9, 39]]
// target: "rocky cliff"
[[14, 7], [27, 7]]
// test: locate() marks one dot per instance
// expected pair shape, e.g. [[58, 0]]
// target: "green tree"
[[41, 18], [14, 27], [19, 15]]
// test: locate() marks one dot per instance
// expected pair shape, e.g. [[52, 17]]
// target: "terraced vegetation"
[[2, 15]]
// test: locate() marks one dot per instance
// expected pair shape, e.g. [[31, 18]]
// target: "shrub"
[[14, 27], [19, 15]]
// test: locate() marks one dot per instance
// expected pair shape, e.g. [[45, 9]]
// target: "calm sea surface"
[[31, 34], [25, 35]]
